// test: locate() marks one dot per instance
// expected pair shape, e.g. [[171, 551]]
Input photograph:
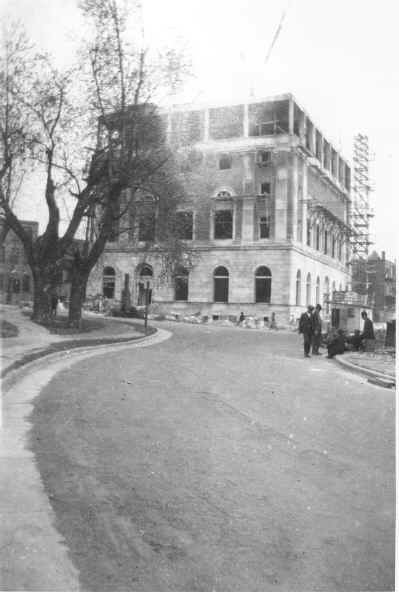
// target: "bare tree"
[[105, 147]]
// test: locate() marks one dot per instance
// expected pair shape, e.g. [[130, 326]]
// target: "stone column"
[[248, 219]]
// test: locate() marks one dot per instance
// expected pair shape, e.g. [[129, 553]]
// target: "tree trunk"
[[41, 297], [77, 297]]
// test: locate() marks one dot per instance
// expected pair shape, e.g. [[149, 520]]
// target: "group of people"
[[310, 325]]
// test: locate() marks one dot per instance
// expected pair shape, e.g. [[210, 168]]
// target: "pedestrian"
[[306, 328], [367, 335], [316, 326], [336, 344], [54, 304], [241, 318]]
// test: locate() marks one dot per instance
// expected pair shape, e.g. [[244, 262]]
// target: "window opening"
[[184, 225], [181, 284], [263, 284], [225, 161], [147, 227], [109, 282], [221, 284], [223, 224], [265, 188]]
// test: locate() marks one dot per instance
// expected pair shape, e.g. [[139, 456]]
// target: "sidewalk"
[[377, 366], [33, 340]]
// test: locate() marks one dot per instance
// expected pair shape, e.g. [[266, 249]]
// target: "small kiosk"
[[346, 309]]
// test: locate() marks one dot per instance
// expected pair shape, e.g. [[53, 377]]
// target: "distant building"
[[267, 215], [376, 277], [15, 276]]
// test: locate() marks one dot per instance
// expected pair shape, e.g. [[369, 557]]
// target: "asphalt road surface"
[[220, 461]]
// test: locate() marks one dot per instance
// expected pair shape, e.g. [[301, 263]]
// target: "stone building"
[[15, 276], [266, 215]]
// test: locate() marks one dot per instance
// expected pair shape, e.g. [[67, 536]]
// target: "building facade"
[[376, 278], [15, 276], [266, 217]]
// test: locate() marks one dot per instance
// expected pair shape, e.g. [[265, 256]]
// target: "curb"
[[64, 348], [378, 378]]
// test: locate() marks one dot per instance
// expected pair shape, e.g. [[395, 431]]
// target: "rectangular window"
[[184, 225], [1, 281], [264, 157], [225, 161], [223, 224], [147, 227], [264, 227], [181, 288], [265, 188]]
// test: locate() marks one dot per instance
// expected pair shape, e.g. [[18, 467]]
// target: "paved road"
[[220, 460]]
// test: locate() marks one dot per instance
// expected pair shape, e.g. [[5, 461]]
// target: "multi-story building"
[[15, 275], [266, 216]]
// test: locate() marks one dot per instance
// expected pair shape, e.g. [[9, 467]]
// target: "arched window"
[[326, 242], [221, 284], [318, 290], [340, 286], [109, 282], [181, 284], [298, 288], [317, 237], [263, 284], [308, 289]]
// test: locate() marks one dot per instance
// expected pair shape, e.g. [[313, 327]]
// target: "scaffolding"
[[361, 213]]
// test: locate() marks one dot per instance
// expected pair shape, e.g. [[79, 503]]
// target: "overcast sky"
[[338, 58]]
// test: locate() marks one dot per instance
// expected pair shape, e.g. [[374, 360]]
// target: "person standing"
[[367, 335], [317, 325], [306, 328]]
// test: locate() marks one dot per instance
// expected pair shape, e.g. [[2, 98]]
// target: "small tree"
[[102, 148]]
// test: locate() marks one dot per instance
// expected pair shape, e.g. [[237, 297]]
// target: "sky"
[[338, 58]]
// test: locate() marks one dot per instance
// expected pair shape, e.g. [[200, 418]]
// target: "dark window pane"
[[263, 286], [265, 188], [147, 227], [181, 287], [221, 289], [223, 224], [225, 161], [264, 227], [184, 225]]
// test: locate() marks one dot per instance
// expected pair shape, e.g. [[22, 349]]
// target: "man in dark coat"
[[316, 325], [336, 344], [367, 335], [306, 328]]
